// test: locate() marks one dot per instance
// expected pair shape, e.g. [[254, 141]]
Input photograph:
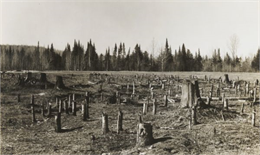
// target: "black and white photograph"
[[124, 77]]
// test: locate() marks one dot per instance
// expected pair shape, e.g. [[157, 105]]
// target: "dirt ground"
[[212, 134]]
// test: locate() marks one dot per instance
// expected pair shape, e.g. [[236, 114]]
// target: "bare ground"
[[171, 131]]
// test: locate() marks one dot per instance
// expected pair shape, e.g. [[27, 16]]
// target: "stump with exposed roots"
[[144, 134]]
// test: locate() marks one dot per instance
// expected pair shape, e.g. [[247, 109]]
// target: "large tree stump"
[[190, 93], [105, 123], [59, 83], [144, 134]]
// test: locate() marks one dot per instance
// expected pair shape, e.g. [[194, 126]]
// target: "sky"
[[204, 25]]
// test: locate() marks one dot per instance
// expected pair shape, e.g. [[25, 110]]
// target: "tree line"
[[119, 58]]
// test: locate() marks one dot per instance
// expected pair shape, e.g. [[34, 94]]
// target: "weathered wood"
[[208, 100], [32, 109], [60, 106], [105, 123], [43, 78], [254, 95], [133, 87], [144, 134], [58, 122], [119, 121], [145, 108], [226, 79]]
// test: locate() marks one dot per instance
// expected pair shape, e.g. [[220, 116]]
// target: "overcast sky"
[[198, 24]]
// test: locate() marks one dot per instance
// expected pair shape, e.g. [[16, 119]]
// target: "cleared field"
[[212, 134]]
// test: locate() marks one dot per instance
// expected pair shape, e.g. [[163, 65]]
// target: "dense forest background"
[[18, 57]]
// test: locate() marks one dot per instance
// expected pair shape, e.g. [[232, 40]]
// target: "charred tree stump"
[[144, 134], [119, 122], [104, 123], [154, 107], [59, 83], [32, 109], [226, 79], [58, 122]]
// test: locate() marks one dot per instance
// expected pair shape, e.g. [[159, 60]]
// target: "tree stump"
[[42, 110], [87, 106], [59, 83], [74, 106], [242, 108], [58, 122], [84, 116], [43, 78], [226, 104], [144, 134], [154, 107], [49, 110], [254, 95], [253, 117], [28, 77], [190, 92], [165, 101], [133, 87], [208, 100], [66, 107], [145, 108], [32, 109], [193, 115], [226, 79], [104, 123], [119, 121], [18, 98]]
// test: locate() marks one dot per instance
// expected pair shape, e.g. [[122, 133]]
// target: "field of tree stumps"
[[129, 113]]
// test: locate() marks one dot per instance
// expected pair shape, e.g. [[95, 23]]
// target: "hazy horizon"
[[204, 25]]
